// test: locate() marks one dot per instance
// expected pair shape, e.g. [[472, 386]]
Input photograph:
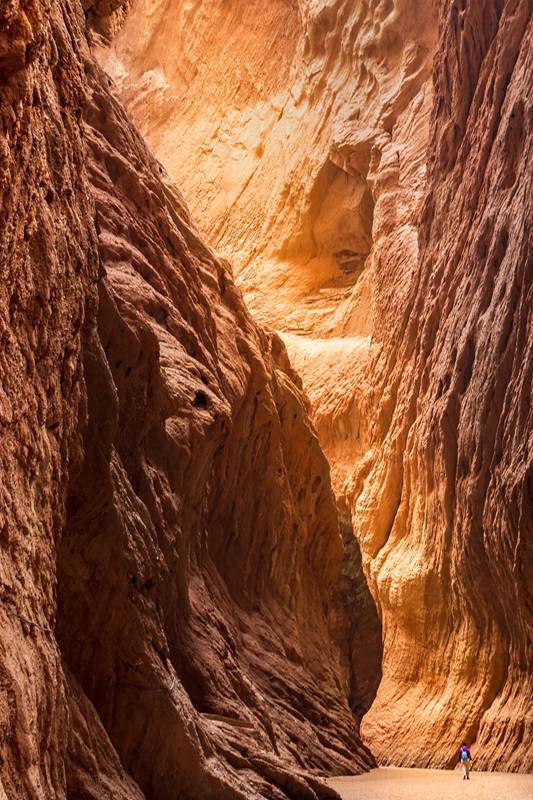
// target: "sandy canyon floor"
[[391, 783]]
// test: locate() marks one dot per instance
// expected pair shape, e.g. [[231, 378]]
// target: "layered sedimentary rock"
[[170, 541], [445, 516], [49, 268], [300, 133], [273, 116]]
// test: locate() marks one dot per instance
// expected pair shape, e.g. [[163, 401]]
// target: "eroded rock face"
[[301, 134], [49, 268], [445, 515], [274, 116], [170, 537]]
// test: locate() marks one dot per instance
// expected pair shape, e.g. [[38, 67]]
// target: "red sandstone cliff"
[[168, 535], [170, 540]]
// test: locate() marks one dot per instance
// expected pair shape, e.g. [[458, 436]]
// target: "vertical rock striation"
[[445, 516], [274, 117], [170, 540], [49, 270], [203, 517], [379, 217], [173, 590], [298, 133]]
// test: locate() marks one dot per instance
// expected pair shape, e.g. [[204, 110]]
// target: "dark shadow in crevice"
[[360, 634]]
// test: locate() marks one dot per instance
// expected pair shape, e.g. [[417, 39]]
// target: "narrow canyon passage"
[[266, 436], [326, 157]]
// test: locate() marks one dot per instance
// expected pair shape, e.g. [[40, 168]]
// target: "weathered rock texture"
[[273, 116], [170, 541], [298, 133], [301, 133], [445, 517]]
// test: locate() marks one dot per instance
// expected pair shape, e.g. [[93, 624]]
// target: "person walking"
[[465, 760]]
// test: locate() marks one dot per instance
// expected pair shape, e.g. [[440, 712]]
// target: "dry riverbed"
[[392, 783]]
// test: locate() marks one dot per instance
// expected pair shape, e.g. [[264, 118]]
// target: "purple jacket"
[[464, 753]]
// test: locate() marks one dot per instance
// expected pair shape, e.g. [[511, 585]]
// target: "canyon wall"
[[377, 207], [445, 516], [171, 557], [298, 133]]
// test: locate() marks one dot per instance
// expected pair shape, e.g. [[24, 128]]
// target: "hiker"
[[466, 760]]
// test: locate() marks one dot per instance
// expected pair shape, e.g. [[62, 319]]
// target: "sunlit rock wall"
[[300, 133], [276, 117], [445, 517]]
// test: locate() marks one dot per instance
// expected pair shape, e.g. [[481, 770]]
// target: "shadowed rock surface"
[[170, 541]]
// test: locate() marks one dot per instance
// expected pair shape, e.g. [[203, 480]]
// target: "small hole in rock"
[[201, 400]]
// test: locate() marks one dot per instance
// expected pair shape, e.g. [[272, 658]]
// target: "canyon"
[[267, 352], [390, 248]]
